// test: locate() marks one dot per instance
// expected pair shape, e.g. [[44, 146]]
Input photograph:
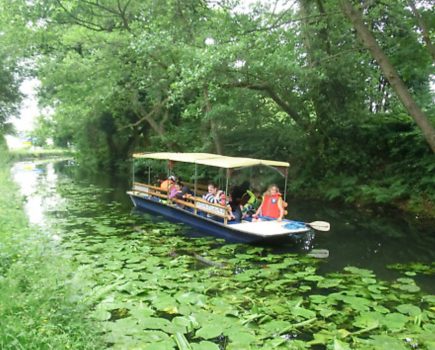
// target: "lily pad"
[[204, 345], [210, 331], [409, 309]]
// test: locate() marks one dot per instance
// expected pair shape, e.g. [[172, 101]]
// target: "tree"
[[390, 73]]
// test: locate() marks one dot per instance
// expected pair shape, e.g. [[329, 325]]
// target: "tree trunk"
[[423, 27], [390, 73], [213, 126]]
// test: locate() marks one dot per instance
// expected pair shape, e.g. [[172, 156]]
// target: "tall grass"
[[40, 308]]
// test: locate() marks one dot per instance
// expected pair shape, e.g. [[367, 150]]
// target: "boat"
[[208, 217]]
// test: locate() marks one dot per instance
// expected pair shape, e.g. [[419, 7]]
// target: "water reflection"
[[37, 181]]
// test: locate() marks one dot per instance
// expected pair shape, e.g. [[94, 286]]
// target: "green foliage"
[[40, 307], [290, 84]]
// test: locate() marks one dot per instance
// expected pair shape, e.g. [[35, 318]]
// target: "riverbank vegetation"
[[40, 305], [293, 83], [23, 154]]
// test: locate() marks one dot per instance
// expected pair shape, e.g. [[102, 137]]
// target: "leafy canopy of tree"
[[286, 82]]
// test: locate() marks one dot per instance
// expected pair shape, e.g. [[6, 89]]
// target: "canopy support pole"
[[227, 181], [132, 170], [195, 210], [196, 180], [285, 184], [149, 174]]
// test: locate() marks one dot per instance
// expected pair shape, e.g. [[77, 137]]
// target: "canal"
[[154, 282]]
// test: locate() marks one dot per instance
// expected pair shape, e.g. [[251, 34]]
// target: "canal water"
[[156, 285], [385, 243]]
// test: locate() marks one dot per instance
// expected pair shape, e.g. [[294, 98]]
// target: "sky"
[[29, 107]]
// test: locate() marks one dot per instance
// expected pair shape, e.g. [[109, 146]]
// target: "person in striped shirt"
[[216, 196]]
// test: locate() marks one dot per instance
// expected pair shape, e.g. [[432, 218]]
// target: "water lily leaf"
[[411, 288], [314, 278], [210, 331], [276, 327], [240, 337], [205, 345], [191, 298], [305, 313], [381, 309], [125, 326], [182, 324], [317, 299], [385, 342], [141, 312], [405, 280], [157, 323], [368, 320], [374, 289], [357, 303], [368, 280], [304, 288], [410, 273], [395, 321], [429, 298], [325, 312], [409, 309], [101, 315], [329, 283], [164, 302], [357, 271], [340, 345]]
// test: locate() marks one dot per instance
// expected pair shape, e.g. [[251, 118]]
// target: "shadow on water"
[[361, 239]]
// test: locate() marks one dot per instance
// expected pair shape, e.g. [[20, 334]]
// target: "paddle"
[[315, 225], [319, 225], [319, 253]]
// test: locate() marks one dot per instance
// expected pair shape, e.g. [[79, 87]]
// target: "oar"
[[319, 225], [319, 253]]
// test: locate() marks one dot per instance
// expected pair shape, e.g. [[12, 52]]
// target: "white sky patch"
[[29, 107]]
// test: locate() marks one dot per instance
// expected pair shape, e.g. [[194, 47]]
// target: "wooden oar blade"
[[320, 225]]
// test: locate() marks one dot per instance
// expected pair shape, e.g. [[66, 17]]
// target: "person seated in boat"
[[175, 191], [186, 192], [235, 200], [168, 183], [272, 206], [216, 196], [250, 202]]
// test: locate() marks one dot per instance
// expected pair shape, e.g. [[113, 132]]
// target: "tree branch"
[[423, 27], [286, 107]]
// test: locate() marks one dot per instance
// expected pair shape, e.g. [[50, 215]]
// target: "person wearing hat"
[[168, 183]]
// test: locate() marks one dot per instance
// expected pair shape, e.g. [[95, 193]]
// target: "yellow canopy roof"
[[210, 159]]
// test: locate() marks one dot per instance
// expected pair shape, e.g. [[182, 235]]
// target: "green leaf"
[[210, 331], [340, 345], [409, 309], [395, 321], [204, 345], [182, 342], [385, 342]]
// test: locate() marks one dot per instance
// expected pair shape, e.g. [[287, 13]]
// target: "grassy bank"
[[40, 308], [23, 154]]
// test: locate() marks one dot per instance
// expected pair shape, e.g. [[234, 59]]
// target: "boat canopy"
[[210, 159]]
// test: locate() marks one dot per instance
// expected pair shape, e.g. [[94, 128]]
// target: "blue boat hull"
[[205, 224]]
